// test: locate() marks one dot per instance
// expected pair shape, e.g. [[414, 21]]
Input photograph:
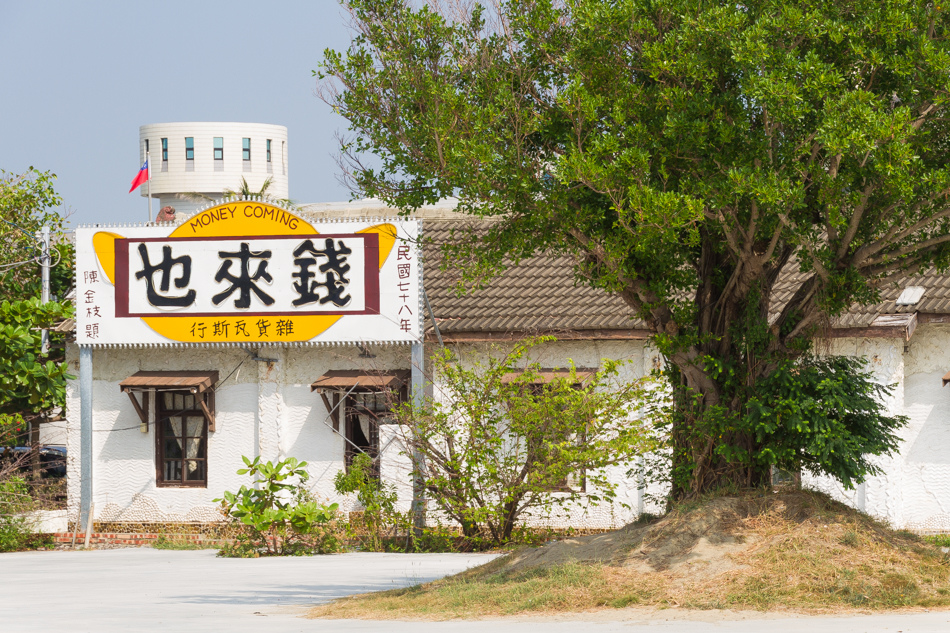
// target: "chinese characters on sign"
[[404, 271], [244, 272], [334, 269], [92, 310], [275, 275]]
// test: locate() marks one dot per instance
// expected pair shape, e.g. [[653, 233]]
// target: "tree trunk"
[[704, 450], [714, 379]]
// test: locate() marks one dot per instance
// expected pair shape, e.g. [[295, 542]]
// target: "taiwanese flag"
[[140, 177]]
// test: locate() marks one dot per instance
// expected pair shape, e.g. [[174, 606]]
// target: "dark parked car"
[[52, 459]]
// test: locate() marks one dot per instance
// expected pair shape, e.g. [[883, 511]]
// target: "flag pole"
[[148, 165]]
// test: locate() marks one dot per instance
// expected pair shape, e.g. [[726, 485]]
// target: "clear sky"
[[79, 78]]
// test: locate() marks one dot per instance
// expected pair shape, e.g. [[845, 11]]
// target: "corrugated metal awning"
[[337, 379], [193, 381], [545, 376], [65, 326]]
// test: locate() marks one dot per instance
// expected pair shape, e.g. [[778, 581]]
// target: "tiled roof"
[[539, 294], [935, 300]]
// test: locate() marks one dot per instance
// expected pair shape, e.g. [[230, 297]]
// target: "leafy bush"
[[940, 540], [31, 383], [823, 415], [15, 533], [380, 522], [279, 515], [504, 443]]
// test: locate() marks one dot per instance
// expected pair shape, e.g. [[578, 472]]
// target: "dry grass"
[[797, 550]]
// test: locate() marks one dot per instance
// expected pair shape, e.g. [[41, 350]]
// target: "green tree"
[[28, 202], [32, 384], [498, 442], [686, 152]]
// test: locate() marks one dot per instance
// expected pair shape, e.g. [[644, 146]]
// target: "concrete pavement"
[[132, 590]]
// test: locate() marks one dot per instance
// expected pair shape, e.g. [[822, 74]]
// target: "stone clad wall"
[[913, 491], [925, 467], [268, 409], [262, 409]]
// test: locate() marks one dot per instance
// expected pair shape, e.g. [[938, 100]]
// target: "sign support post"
[[418, 459], [85, 433]]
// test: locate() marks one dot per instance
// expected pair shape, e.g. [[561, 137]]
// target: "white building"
[[207, 158], [267, 398]]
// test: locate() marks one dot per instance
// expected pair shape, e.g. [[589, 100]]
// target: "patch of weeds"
[[163, 542], [940, 540], [897, 590], [807, 552], [893, 590], [645, 518], [625, 601], [567, 587]]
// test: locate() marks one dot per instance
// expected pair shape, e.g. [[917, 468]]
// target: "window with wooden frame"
[[181, 449], [575, 481], [365, 412], [364, 401], [179, 407]]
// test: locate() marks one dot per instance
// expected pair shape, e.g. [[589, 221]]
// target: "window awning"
[[346, 379], [546, 376], [946, 379], [193, 381]]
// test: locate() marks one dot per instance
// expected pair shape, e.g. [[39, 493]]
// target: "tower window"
[[268, 150], [218, 148], [246, 148], [189, 148], [164, 150]]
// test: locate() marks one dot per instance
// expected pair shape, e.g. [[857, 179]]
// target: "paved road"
[[133, 590]]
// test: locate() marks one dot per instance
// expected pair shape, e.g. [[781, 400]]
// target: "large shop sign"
[[248, 272]]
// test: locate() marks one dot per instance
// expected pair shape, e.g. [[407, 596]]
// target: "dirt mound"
[[796, 550], [751, 550], [706, 533]]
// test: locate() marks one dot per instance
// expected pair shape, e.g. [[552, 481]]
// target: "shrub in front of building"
[[278, 515]]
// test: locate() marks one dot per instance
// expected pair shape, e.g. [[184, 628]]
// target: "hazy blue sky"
[[79, 78]]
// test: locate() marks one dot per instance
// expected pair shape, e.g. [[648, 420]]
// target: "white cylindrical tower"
[[195, 159]]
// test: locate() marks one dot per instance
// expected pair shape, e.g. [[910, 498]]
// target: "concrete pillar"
[[85, 433]]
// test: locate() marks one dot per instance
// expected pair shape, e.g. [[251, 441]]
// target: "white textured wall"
[[268, 409], [307, 432], [53, 433], [204, 179], [262, 408], [880, 495], [925, 475], [914, 489], [124, 457]]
